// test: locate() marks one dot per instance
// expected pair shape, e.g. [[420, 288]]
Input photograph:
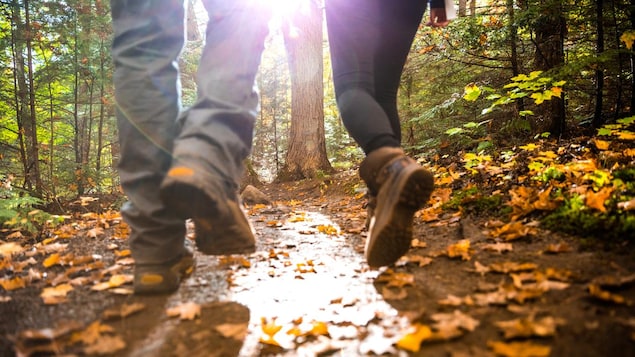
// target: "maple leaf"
[[412, 340], [95, 232], [454, 320], [596, 200], [269, 329], [519, 349], [186, 311]]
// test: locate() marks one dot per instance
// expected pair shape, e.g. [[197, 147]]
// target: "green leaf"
[[472, 92], [627, 121], [471, 125], [524, 113], [605, 131], [454, 131]]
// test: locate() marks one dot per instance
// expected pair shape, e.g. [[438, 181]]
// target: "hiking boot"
[[162, 278], [221, 225], [401, 188]]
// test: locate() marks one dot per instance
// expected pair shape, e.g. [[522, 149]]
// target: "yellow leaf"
[[519, 349], [601, 144], [122, 253], [12, 284], [626, 135], [630, 152], [412, 340], [460, 249], [52, 259], [529, 147], [604, 295], [114, 281]]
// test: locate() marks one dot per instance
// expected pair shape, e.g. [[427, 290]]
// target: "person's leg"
[[148, 37], [398, 26], [354, 37], [366, 79], [217, 131]]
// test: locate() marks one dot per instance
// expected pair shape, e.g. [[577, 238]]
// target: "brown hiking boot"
[[401, 187], [220, 222], [163, 278]]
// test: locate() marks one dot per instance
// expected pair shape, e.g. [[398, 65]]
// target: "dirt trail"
[[309, 281]]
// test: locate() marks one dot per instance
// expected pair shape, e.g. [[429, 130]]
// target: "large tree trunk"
[[550, 31], [306, 155]]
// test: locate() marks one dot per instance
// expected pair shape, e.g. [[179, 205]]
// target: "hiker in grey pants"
[[203, 150]]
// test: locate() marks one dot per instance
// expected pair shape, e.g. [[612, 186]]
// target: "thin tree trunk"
[[598, 120], [31, 132], [19, 84], [512, 30]]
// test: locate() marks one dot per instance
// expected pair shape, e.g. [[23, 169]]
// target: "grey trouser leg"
[[218, 129], [148, 38]]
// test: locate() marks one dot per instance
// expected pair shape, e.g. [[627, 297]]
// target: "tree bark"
[[550, 31], [306, 155], [598, 120]]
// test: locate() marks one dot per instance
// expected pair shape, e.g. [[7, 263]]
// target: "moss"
[[472, 200]]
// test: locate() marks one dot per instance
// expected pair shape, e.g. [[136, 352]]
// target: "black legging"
[[369, 42]]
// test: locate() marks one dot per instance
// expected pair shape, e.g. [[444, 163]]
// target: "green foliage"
[[18, 211], [472, 200], [535, 86], [574, 217]]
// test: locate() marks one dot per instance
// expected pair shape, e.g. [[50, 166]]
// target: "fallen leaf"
[[95, 232], [498, 247], [596, 200], [55, 295], [558, 248], [12, 283], [106, 345], [604, 295], [456, 319], [601, 144], [186, 311], [269, 330], [509, 267], [529, 327], [519, 349], [460, 249], [122, 311], [396, 279], [51, 260], [512, 231], [8, 249], [114, 282], [412, 340]]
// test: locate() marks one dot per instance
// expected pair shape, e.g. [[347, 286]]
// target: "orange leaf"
[[52, 259], [460, 249], [596, 200], [412, 340], [519, 349], [12, 284]]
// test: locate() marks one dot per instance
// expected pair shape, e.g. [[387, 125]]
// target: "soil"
[[309, 274]]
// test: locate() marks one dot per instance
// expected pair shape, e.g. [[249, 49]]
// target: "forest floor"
[[464, 289]]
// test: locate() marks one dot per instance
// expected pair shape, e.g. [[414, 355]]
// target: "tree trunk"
[[306, 155], [598, 120], [512, 30], [462, 8], [550, 31], [27, 121], [193, 33]]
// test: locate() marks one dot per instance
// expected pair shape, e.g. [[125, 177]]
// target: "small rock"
[[251, 195]]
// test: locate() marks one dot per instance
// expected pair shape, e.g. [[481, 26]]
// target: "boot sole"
[[216, 233], [390, 232]]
